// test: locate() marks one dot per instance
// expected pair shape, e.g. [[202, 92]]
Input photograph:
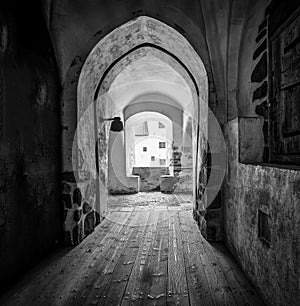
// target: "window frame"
[[162, 145]]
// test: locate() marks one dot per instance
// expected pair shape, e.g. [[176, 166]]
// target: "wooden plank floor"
[[148, 251]]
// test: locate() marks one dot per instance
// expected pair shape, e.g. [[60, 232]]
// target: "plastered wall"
[[31, 214], [261, 200]]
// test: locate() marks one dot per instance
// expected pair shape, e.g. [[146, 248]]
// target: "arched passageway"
[[142, 85], [107, 85], [148, 141], [110, 59]]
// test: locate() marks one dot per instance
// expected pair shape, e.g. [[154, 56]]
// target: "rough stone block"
[[262, 25], [260, 49], [89, 223], [77, 215], [75, 233], [262, 109], [251, 140], [150, 177], [69, 176], [97, 218], [261, 35], [260, 71], [261, 91], [66, 188], [167, 183], [86, 208], [77, 197], [66, 199]]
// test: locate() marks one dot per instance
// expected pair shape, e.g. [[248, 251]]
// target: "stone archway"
[[79, 170], [152, 75]]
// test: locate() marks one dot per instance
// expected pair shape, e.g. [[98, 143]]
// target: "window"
[[152, 158], [162, 162], [141, 129], [144, 149], [161, 125], [162, 145]]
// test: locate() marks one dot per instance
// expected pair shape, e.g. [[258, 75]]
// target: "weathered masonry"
[[226, 74]]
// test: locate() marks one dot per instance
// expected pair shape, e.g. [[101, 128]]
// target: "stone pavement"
[[150, 200]]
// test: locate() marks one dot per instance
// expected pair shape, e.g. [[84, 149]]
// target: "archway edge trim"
[[136, 48], [127, 109]]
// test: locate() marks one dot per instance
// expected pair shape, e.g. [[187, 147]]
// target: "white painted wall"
[[134, 144], [151, 143]]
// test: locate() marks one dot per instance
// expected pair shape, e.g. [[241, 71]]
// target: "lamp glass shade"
[[116, 126]]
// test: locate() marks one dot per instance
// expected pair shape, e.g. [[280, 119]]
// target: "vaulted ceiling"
[[220, 31]]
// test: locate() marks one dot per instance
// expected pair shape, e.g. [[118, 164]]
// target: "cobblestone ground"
[[150, 200]]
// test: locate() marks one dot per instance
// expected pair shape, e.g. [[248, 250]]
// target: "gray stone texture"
[[260, 71], [261, 91]]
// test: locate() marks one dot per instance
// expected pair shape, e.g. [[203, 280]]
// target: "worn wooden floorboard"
[[220, 289], [101, 263], [240, 286], [200, 291], [158, 263], [177, 281], [103, 270], [116, 285], [79, 265], [141, 254], [136, 289], [42, 287]]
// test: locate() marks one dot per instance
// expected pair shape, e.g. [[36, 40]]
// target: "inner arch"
[[95, 85]]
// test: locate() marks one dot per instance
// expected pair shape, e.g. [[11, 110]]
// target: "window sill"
[[273, 165]]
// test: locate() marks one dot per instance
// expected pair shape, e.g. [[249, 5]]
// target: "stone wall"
[[86, 186], [254, 89], [31, 215], [262, 223], [82, 87], [182, 179], [181, 183], [150, 177], [205, 24], [261, 200]]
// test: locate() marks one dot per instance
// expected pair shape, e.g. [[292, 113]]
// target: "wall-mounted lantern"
[[116, 125]]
